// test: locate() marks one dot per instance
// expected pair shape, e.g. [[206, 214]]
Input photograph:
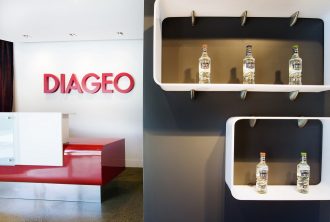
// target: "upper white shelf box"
[[320, 191], [225, 8]]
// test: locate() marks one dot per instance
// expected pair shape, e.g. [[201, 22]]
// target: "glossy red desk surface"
[[85, 161]]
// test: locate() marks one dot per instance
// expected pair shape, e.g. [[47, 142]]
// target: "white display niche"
[[320, 191], [225, 8]]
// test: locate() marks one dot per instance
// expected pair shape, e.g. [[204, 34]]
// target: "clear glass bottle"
[[295, 67], [249, 65], [262, 174], [204, 66], [303, 174]]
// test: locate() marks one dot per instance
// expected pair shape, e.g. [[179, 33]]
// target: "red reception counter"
[[85, 162]]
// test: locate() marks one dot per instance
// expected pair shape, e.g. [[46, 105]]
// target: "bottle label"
[[263, 174], [296, 66], [205, 64], [250, 65], [304, 173]]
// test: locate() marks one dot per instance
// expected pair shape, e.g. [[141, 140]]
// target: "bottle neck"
[[248, 51], [204, 51], [304, 159], [262, 159], [295, 51]]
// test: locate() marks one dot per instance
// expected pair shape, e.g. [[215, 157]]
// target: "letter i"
[[62, 83]]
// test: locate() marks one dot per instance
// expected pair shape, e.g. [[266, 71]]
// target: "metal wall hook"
[[243, 94], [294, 18], [193, 18], [192, 94], [293, 95], [302, 122], [243, 18], [252, 122]]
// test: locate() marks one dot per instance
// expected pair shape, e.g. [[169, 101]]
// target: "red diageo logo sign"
[[90, 83]]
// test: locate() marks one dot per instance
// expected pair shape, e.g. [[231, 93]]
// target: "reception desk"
[[86, 162], [89, 165], [81, 172]]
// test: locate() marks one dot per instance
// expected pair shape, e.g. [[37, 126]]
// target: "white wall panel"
[[49, 20], [93, 115]]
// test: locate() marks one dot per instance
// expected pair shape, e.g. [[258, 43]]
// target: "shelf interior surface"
[[282, 140], [283, 151], [271, 38]]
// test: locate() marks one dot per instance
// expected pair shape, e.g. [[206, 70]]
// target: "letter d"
[[46, 83]]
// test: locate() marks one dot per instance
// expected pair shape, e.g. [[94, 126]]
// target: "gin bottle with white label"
[[262, 174], [249, 64], [295, 67], [204, 66], [303, 174]]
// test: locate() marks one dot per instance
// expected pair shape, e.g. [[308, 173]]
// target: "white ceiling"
[[54, 20]]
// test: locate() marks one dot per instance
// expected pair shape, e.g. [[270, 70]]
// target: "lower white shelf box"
[[240, 163]]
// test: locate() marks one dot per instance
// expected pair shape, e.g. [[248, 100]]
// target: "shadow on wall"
[[189, 77], [233, 76], [215, 184]]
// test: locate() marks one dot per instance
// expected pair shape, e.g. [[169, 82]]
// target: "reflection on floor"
[[125, 204]]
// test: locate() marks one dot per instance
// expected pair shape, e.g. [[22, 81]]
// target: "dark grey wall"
[[184, 152]]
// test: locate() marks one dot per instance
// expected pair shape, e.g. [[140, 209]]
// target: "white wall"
[[94, 115]]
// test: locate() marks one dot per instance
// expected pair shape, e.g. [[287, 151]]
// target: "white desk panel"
[[39, 138]]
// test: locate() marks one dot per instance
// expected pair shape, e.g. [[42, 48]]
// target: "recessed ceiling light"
[[26, 36], [120, 33], [72, 34]]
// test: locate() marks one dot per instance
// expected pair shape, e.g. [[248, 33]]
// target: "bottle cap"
[[303, 153], [295, 46], [262, 154], [249, 46]]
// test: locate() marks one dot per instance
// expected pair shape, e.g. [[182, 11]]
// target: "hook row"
[[300, 122], [292, 95], [293, 18]]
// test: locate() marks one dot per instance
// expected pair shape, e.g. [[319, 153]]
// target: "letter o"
[[131, 82]]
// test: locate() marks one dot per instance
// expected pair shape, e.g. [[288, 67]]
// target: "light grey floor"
[[125, 204]]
